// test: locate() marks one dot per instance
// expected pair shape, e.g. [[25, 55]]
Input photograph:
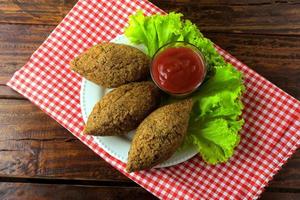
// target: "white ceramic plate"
[[118, 146]]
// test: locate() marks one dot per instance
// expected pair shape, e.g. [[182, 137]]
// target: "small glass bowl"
[[179, 44]]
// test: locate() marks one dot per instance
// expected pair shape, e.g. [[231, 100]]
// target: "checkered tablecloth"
[[269, 137]]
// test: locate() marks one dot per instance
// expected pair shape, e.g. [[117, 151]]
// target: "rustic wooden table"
[[41, 160]]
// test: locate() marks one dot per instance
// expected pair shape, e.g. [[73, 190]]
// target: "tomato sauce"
[[178, 70]]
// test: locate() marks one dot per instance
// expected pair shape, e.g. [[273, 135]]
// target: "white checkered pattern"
[[269, 137]]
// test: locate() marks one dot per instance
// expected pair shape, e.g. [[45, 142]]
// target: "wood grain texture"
[[34, 145], [12, 191], [279, 196], [8, 93], [34, 11], [17, 43], [258, 16]]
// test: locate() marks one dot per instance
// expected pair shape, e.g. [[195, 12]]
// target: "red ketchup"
[[178, 70]]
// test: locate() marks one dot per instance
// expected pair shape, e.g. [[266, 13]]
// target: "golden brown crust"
[[159, 135], [112, 65], [122, 109]]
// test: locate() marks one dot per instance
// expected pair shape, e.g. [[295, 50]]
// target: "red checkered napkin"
[[269, 137]]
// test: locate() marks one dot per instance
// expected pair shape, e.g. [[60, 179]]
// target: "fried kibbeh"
[[111, 65], [159, 135], [122, 109]]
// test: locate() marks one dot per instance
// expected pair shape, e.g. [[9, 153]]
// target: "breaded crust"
[[159, 135], [122, 109], [112, 65]]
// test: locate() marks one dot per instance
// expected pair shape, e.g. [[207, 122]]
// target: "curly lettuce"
[[215, 119]]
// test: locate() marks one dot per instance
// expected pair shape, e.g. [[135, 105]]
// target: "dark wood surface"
[[41, 160]]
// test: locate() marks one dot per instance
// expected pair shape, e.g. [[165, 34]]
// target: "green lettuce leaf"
[[219, 95], [215, 139], [215, 119]]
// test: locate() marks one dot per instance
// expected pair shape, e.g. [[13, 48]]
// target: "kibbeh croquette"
[[111, 65], [159, 135], [122, 109]]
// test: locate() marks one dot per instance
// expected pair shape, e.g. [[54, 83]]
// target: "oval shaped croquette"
[[159, 135], [122, 109], [112, 65]]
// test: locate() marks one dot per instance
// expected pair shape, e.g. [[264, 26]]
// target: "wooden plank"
[[8, 93], [33, 145], [17, 43], [12, 191], [279, 196], [259, 16], [32, 191], [34, 11], [275, 57]]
